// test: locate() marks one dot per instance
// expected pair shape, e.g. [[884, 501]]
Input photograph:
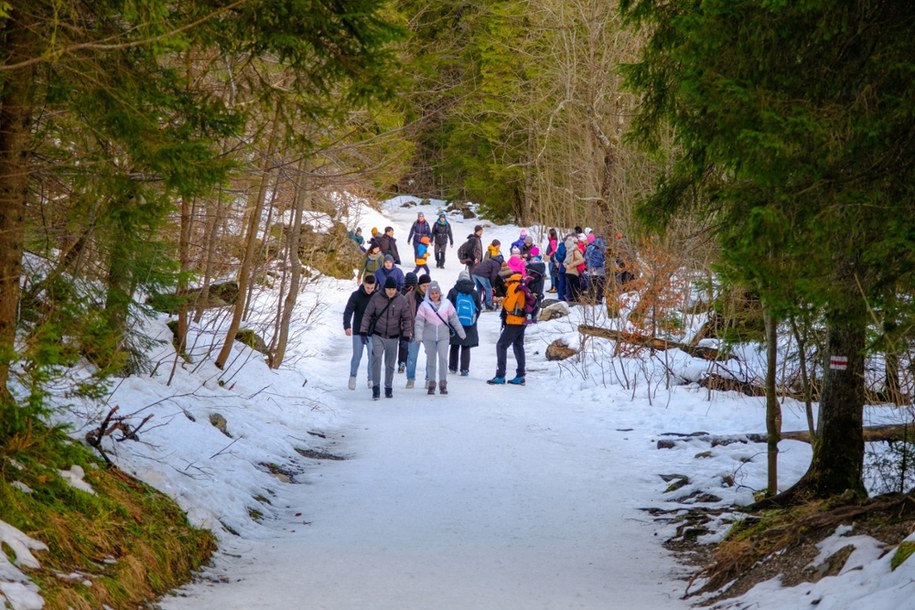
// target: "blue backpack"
[[466, 308], [597, 254], [560, 255]]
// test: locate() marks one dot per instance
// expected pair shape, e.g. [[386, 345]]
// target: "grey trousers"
[[382, 346], [436, 354]]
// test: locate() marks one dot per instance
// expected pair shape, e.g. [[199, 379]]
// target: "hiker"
[[514, 320], [419, 229], [519, 243], [409, 286], [471, 251], [436, 319], [466, 303], [484, 278], [552, 265], [388, 244], [596, 262], [385, 320], [574, 265], [515, 262], [388, 269], [441, 237], [414, 300], [352, 318], [356, 236], [373, 260], [535, 280], [493, 250], [422, 254]]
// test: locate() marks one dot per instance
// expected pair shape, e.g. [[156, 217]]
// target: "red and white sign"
[[838, 363]]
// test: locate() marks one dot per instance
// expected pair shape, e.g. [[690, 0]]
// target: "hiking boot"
[[402, 367], [496, 381], [464, 372], [389, 392], [352, 383], [518, 380], [442, 387], [409, 384], [431, 388], [452, 371], [376, 392]]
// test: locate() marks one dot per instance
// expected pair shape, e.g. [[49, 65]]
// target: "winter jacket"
[[419, 228], [472, 338], [489, 268], [387, 320], [372, 263], [432, 324], [574, 259], [513, 304], [395, 272], [492, 252], [355, 307], [441, 233], [474, 248], [389, 246], [516, 263]]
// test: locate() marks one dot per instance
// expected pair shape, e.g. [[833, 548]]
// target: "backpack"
[[597, 254], [466, 308], [513, 304], [560, 255], [465, 252]]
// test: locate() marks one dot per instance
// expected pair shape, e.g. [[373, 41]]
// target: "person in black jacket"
[[352, 318], [461, 347], [419, 230], [485, 276], [386, 319], [441, 236]]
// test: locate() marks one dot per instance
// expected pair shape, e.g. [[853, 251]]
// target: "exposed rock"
[[559, 350], [220, 423], [252, 340], [552, 311]]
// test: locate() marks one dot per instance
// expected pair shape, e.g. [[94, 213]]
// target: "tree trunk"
[[244, 273], [276, 358], [773, 409], [15, 123], [805, 377], [838, 449]]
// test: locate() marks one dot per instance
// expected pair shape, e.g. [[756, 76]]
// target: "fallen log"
[[707, 353], [872, 434]]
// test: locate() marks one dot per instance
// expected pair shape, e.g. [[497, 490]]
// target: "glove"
[[365, 338]]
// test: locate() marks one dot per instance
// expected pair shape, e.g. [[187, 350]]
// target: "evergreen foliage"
[[795, 129]]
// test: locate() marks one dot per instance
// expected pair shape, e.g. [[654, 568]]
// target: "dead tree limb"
[[707, 353], [872, 434]]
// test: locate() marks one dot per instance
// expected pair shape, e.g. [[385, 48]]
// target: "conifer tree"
[[795, 131]]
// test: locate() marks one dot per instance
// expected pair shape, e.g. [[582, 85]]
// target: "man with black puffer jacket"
[[386, 320], [352, 318]]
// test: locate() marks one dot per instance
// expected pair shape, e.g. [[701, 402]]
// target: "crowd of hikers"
[[392, 314]]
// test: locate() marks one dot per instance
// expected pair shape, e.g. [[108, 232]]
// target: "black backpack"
[[465, 252]]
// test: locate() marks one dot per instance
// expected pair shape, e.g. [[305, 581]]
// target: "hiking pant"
[[412, 355], [453, 358], [554, 277], [436, 354], [403, 348], [484, 287], [419, 268], [596, 288], [561, 289], [387, 347], [440, 254], [573, 288], [511, 335], [358, 348]]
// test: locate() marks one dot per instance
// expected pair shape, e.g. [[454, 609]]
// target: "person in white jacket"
[[436, 319]]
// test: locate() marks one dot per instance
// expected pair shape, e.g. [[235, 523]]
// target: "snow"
[[488, 498]]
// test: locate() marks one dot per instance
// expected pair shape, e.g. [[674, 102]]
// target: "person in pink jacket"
[[436, 319], [515, 261]]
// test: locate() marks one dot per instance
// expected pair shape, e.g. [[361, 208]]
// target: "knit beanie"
[[424, 279], [410, 279], [390, 282]]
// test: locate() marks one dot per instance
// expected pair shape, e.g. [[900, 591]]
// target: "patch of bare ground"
[[777, 543]]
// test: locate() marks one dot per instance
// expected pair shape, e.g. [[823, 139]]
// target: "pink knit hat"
[[591, 238]]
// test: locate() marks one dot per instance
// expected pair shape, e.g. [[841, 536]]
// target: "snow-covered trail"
[[490, 497]]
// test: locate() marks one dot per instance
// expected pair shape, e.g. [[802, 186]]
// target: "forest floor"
[[784, 544]]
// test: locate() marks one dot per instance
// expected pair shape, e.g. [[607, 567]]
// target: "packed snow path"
[[488, 498]]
